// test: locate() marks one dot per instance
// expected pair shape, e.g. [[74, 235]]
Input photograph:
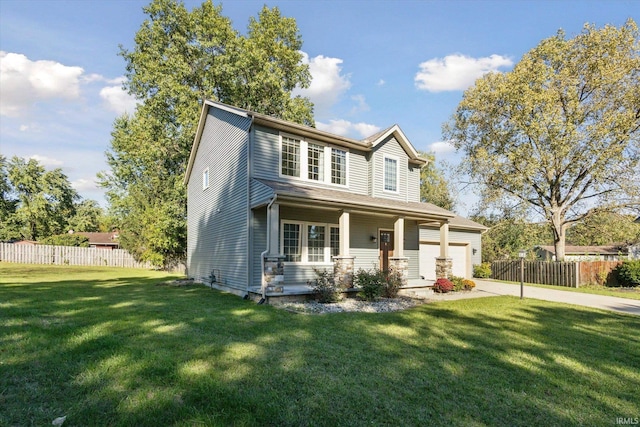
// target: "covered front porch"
[[298, 232]]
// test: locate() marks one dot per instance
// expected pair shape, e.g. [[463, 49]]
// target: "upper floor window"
[[290, 156], [390, 174], [315, 162], [338, 166], [205, 179], [311, 161]]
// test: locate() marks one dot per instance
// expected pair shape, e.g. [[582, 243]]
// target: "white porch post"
[[398, 243], [344, 233], [444, 240], [273, 218]]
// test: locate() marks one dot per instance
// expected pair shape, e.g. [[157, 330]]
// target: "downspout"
[[266, 251]]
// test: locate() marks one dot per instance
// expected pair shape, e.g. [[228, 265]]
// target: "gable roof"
[[378, 138], [367, 144]]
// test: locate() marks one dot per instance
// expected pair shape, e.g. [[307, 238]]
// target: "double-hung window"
[[390, 174], [309, 242], [311, 161], [338, 166], [205, 179], [290, 156], [315, 162]]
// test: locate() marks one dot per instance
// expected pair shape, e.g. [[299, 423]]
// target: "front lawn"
[[123, 347]]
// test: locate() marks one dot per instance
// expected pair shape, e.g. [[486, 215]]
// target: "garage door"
[[430, 251]]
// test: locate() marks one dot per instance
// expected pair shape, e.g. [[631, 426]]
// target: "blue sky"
[[374, 63]]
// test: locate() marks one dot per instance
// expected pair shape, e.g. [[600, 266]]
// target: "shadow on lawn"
[[129, 352]]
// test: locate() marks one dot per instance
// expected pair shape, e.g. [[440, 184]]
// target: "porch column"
[[343, 263], [444, 264], [273, 219], [344, 233], [398, 242], [444, 240]]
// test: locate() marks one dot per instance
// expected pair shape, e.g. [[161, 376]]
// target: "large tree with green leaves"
[[434, 187], [39, 202], [560, 132], [181, 57]]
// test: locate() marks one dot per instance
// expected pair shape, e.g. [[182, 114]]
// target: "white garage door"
[[429, 252]]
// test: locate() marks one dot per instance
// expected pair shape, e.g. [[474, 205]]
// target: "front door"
[[386, 248]]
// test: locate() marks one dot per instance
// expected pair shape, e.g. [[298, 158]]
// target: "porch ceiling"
[[327, 198]]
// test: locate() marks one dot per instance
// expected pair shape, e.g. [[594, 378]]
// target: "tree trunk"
[[559, 235]]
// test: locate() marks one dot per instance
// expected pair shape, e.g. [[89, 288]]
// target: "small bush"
[[629, 273], [325, 287], [468, 284], [457, 283], [443, 286], [370, 282], [392, 285], [482, 271]]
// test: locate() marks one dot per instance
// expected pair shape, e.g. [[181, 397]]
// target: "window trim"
[[206, 179], [384, 173], [303, 173], [304, 241]]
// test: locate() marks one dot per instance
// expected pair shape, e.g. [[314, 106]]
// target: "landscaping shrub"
[[325, 287], [468, 284], [629, 273], [66, 239], [457, 283], [392, 284], [443, 286], [370, 282], [482, 271]]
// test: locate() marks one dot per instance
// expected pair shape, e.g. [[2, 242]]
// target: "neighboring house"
[[101, 240], [585, 253], [269, 201]]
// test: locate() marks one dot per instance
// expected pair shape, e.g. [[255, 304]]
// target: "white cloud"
[[116, 99], [47, 161], [24, 82], [327, 83], [347, 128], [83, 185], [456, 72], [441, 147], [381, 82], [361, 104]]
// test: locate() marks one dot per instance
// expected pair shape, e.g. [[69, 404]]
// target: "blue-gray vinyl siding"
[[266, 162], [259, 244], [260, 193], [217, 225], [390, 147], [413, 183], [473, 238]]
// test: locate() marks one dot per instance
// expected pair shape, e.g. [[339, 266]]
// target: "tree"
[[89, 216], [434, 187], [9, 230], [560, 131], [66, 239], [604, 228], [179, 59], [44, 200]]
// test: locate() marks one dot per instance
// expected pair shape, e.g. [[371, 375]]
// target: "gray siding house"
[[269, 201]]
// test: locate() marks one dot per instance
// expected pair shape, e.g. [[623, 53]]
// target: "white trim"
[[304, 241], [384, 173], [206, 179], [304, 161]]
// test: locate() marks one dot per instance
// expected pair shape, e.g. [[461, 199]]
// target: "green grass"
[[120, 348], [631, 293]]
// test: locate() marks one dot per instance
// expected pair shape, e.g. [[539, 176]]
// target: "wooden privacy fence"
[[569, 274], [68, 255]]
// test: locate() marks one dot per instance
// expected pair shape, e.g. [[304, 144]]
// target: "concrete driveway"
[[491, 288]]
